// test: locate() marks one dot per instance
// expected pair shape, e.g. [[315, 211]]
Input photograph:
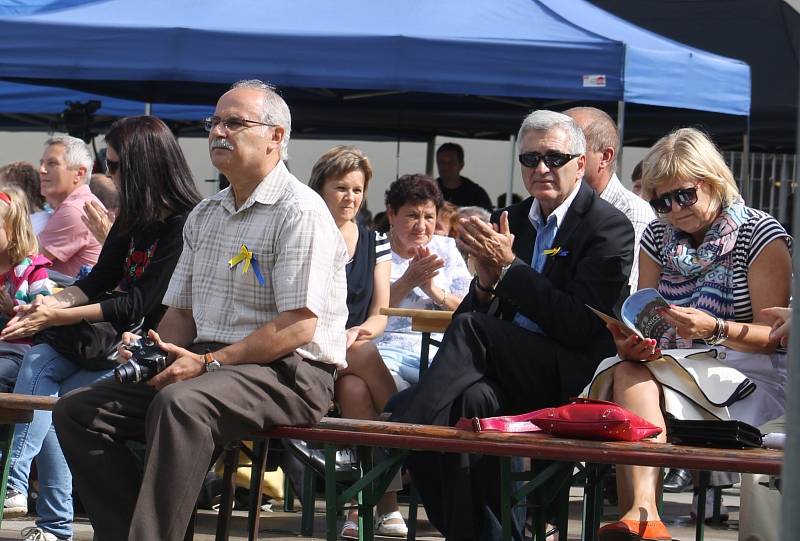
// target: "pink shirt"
[[66, 238]]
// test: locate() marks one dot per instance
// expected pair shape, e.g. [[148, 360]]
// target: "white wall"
[[486, 162]]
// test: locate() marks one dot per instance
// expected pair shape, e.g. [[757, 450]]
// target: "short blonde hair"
[[336, 163], [17, 222], [689, 154]]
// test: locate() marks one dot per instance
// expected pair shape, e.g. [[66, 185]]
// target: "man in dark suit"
[[522, 339]]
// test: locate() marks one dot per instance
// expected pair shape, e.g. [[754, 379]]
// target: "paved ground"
[[286, 526]]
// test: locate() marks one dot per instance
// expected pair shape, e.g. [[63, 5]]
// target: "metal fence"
[[773, 181]]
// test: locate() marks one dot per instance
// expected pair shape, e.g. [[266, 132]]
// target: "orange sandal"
[[634, 530]]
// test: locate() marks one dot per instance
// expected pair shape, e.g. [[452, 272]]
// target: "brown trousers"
[[181, 425]]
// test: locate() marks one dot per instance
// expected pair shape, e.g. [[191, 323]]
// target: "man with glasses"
[[602, 147], [64, 172], [254, 329], [523, 338]]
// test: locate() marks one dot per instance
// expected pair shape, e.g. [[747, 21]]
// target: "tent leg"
[[747, 189], [512, 145], [621, 131], [430, 155], [148, 108]]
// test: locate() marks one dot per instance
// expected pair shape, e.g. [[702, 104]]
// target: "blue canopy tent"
[[187, 51]]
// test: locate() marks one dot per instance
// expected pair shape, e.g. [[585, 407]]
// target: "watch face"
[[213, 366]]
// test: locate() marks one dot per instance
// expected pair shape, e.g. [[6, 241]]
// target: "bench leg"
[[260, 449], [413, 505], [331, 508], [593, 501], [231, 461], [366, 498], [308, 503], [705, 479], [7, 434]]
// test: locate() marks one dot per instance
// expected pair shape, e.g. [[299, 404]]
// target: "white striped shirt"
[[637, 210]]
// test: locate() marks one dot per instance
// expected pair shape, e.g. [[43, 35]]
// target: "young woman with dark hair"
[[141, 251]]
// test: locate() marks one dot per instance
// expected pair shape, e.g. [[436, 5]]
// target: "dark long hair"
[[153, 172]]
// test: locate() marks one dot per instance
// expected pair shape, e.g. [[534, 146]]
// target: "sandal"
[[394, 529], [634, 530]]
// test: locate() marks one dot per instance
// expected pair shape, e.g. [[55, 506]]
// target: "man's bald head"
[[602, 144]]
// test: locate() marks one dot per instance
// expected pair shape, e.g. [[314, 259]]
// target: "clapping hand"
[[422, 268], [97, 220]]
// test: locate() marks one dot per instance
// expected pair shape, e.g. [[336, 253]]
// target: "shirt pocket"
[[254, 303]]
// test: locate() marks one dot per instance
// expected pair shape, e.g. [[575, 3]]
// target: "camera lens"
[[128, 372]]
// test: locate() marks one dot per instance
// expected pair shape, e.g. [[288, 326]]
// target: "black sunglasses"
[[684, 197], [232, 123], [112, 166], [551, 159]]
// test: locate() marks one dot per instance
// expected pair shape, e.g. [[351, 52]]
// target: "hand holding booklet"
[[641, 314]]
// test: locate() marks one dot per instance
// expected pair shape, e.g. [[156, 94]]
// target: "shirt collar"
[[535, 215], [267, 192]]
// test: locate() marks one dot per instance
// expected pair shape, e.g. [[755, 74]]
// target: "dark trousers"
[[485, 367], [181, 425]]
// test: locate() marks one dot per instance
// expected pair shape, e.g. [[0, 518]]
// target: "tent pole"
[[148, 108], [747, 190], [790, 518], [621, 131], [430, 155], [512, 145]]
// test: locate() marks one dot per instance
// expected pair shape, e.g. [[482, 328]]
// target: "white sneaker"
[[396, 529], [15, 504], [723, 510], [38, 534]]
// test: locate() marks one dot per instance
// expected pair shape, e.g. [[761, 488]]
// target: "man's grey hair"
[[275, 110], [76, 153], [601, 132], [480, 212], [544, 121]]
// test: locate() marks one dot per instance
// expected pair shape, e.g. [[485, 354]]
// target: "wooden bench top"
[[422, 320], [19, 408], [534, 445]]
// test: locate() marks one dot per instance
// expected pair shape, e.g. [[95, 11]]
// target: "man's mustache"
[[221, 143]]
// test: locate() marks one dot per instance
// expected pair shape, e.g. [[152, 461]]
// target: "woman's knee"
[[352, 389], [629, 374]]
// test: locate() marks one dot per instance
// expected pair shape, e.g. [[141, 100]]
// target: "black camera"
[[147, 361]]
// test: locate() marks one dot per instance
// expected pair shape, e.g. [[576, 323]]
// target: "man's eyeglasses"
[[112, 166], [551, 159], [232, 123], [684, 197]]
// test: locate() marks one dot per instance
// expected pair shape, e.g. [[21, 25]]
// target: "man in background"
[[602, 147], [459, 190]]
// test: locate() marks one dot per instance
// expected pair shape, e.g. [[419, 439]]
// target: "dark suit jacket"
[[593, 267]]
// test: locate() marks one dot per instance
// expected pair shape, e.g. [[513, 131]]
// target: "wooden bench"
[[16, 408], [538, 446]]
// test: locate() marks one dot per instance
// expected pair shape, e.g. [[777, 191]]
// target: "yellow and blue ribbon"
[[557, 251], [249, 260]]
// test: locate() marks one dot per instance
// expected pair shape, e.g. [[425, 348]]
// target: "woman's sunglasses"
[[684, 197], [551, 159]]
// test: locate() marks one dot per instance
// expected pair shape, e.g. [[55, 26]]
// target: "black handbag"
[[92, 346], [722, 434]]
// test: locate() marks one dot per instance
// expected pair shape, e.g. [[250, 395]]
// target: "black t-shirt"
[[361, 273], [469, 194]]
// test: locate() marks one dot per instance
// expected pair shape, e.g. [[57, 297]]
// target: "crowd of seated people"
[[518, 281]]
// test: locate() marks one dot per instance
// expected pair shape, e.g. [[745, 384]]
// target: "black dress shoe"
[[345, 458], [677, 480]]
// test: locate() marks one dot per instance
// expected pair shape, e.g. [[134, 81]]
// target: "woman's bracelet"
[[720, 333], [443, 302]]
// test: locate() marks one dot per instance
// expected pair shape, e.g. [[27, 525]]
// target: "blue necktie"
[[545, 234]]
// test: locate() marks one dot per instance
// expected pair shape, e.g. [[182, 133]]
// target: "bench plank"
[[534, 445], [12, 401]]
